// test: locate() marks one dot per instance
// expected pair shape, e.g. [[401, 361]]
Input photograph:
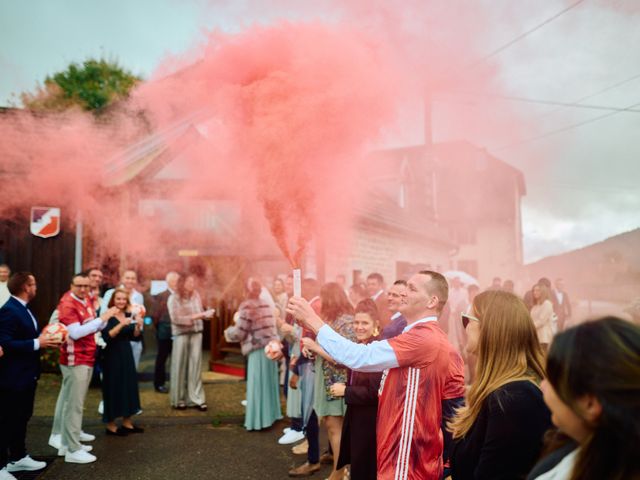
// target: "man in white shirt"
[[129, 280], [5, 272]]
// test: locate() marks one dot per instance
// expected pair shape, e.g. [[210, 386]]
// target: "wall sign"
[[45, 221]]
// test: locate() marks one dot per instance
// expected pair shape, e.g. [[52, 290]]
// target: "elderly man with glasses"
[[77, 357]]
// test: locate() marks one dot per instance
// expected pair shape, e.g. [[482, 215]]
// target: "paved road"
[[174, 448]]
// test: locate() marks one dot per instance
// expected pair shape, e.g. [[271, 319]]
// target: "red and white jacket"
[[83, 350], [410, 406]]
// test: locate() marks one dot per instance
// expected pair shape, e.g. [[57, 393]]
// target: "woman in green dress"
[[119, 380], [254, 328]]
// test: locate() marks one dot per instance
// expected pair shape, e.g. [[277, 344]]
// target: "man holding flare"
[[417, 366]]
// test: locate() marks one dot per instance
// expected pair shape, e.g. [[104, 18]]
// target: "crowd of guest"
[[429, 378]]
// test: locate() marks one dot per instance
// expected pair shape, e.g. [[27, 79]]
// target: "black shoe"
[[120, 432], [134, 429], [162, 389]]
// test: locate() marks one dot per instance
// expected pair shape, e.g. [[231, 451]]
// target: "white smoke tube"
[[297, 283]]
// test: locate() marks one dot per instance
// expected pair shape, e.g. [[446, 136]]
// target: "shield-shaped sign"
[[45, 221]]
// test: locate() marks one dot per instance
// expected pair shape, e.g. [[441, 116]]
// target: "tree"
[[94, 85]]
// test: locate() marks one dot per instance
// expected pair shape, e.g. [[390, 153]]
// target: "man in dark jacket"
[[562, 304], [162, 322], [21, 343]]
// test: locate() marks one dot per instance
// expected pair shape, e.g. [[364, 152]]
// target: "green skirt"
[[263, 392], [294, 396], [323, 406]]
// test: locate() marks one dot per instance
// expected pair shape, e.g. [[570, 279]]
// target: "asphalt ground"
[[174, 448]]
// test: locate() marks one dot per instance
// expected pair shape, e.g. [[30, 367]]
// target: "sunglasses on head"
[[466, 318]]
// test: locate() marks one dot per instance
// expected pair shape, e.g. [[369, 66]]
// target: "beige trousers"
[[186, 370], [67, 419]]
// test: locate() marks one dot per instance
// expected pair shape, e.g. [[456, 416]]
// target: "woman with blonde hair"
[[499, 433], [542, 314], [119, 377]]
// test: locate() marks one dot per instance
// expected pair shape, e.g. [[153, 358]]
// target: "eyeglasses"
[[80, 286], [467, 317]]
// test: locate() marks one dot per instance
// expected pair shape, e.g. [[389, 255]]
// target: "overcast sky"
[[582, 180]]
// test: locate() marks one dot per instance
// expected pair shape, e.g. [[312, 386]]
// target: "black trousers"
[[164, 350], [16, 408]]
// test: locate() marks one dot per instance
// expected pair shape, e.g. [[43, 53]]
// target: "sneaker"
[[55, 441], [79, 456], [301, 448], [101, 407], [285, 430], [243, 403], [86, 437], [292, 436], [304, 470], [62, 451], [26, 464], [5, 475]]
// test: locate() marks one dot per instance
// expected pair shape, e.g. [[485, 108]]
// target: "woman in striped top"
[[255, 327]]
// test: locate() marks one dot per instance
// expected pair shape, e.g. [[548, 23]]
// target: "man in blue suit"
[[394, 298], [19, 372]]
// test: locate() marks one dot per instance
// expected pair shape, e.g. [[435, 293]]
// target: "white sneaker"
[[243, 403], [292, 436], [101, 407], [55, 441], [285, 430], [5, 475], [79, 456], [62, 451], [26, 464], [86, 437]]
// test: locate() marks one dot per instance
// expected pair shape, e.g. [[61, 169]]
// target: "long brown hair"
[[602, 358], [112, 300], [508, 350], [180, 290], [334, 302], [545, 294]]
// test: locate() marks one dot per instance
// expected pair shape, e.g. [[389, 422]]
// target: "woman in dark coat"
[[119, 381], [358, 445], [498, 434]]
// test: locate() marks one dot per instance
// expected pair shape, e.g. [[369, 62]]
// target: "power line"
[[601, 91], [523, 35], [551, 102], [613, 189], [500, 49], [564, 129]]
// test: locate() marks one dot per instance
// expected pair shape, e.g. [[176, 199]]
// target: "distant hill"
[[607, 270]]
